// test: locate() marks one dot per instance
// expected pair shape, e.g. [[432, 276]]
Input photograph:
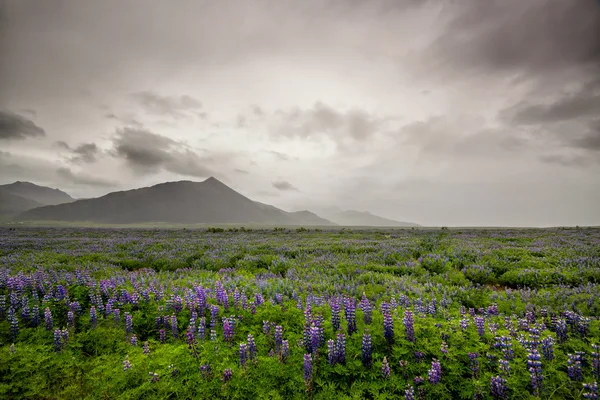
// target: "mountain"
[[11, 204], [365, 218], [40, 194], [210, 202]]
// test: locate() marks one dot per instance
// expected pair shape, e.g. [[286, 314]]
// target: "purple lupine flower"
[[596, 361], [93, 317], [126, 364], [307, 368], [146, 348], [266, 327], [464, 323], [162, 335], [548, 348], [340, 348], [117, 315], [278, 338], [335, 314], [418, 380], [285, 349], [388, 327], [409, 325], [367, 309], [48, 318], [504, 367], [560, 327], [367, 351], [419, 356], [228, 329], [504, 343], [590, 391], [435, 373], [227, 374], [498, 387], [214, 314], [474, 363], [480, 324], [252, 351], [385, 368], [331, 351], [57, 340], [70, 319], [534, 365], [213, 335], [202, 328], [133, 340], [174, 327], [243, 354], [190, 339], [350, 312], [314, 338], [128, 324], [574, 370], [205, 370], [65, 336], [444, 348], [409, 393], [14, 323]]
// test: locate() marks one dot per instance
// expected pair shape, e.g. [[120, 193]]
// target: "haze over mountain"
[[11, 204], [365, 218], [188, 202], [40, 194]]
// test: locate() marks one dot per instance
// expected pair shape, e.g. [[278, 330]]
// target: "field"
[[296, 314]]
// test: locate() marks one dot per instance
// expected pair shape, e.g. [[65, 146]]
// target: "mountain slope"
[[40, 194], [365, 218], [209, 202], [11, 204]]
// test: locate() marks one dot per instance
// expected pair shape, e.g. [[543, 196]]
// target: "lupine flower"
[[93, 316], [504, 367], [590, 391], [153, 377], [365, 306], [574, 370], [331, 351], [385, 368], [213, 335], [133, 340], [388, 327], [435, 373], [205, 370], [117, 315], [350, 312], [174, 327], [419, 355], [126, 363], [70, 319], [498, 387], [48, 318], [162, 335], [548, 348], [278, 338], [251, 347], [146, 348], [266, 327], [504, 344], [560, 327], [57, 340], [307, 368], [14, 324], [227, 374], [285, 349], [335, 314], [534, 365], [340, 348], [480, 324], [409, 325], [596, 361], [367, 351], [418, 380], [444, 348], [474, 363], [409, 393], [243, 354], [228, 329]]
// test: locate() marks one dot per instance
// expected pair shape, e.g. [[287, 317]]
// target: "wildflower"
[[590, 391], [548, 348], [48, 318], [596, 361], [205, 370], [278, 338], [350, 312], [162, 335], [126, 363], [154, 377], [388, 327], [504, 367], [252, 347], [365, 306], [93, 316], [341, 348], [243, 354], [57, 340], [435, 373], [202, 328], [409, 326], [498, 387], [480, 324], [133, 340], [474, 363], [335, 314], [228, 329], [574, 370], [146, 348], [331, 351], [70, 319], [174, 327], [367, 351], [307, 368], [385, 368], [314, 339], [444, 348], [560, 327], [117, 315], [285, 349], [534, 365], [409, 393]]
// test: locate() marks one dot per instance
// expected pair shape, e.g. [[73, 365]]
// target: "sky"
[[439, 112]]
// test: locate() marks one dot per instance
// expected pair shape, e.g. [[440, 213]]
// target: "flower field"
[[297, 314]]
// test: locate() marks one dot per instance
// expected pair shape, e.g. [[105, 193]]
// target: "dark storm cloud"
[[532, 36], [284, 185], [175, 106], [70, 177], [84, 153], [148, 152], [15, 126]]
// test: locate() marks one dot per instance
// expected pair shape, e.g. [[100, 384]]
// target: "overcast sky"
[[439, 112]]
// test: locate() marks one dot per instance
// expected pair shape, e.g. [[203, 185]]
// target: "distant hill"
[[365, 218], [40, 194], [300, 217], [210, 202], [11, 204]]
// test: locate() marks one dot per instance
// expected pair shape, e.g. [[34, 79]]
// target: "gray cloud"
[[174, 106], [284, 186], [533, 36], [15, 126], [85, 153], [69, 177], [148, 152]]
